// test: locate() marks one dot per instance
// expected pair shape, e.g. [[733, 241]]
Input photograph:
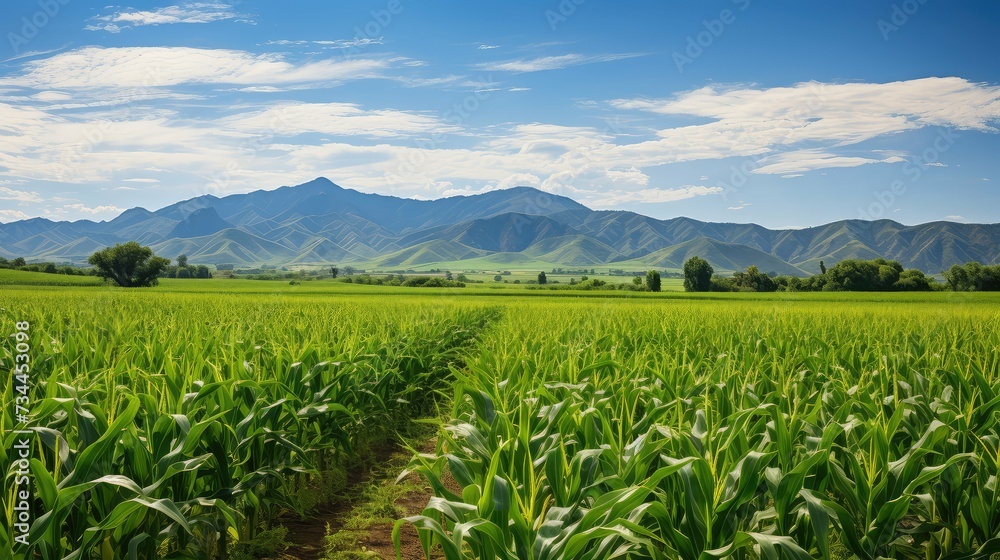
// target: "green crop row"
[[741, 429], [180, 425]]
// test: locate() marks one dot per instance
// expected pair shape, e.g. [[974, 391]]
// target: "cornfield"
[[175, 425], [782, 429]]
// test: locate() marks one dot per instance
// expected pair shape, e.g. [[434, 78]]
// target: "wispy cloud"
[[19, 196], [331, 44], [190, 12], [792, 164], [341, 119], [780, 122], [650, 196], [12, 215], [150, 67], [541, 64]]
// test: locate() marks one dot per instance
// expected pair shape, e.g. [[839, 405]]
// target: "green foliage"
[[753, 280], [973, 277], [431, 282], [406, 281], [698, 275], [878, 275], [128, 265], [699, 431], [163, 420], [542, 279], [653, 280]]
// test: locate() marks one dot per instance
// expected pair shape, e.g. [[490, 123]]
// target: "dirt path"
[[307, 537]]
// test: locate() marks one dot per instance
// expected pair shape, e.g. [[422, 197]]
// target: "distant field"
[[819, 424], [10, 277]]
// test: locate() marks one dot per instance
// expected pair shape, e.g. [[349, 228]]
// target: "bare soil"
[[307, 537]]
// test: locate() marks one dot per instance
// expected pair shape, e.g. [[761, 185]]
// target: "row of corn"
[[733, 429], [168, 425]]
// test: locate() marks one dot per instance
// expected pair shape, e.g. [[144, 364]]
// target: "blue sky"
[[785, 113]]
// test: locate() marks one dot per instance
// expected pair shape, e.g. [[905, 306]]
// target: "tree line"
[[851, 275], [130, 264]]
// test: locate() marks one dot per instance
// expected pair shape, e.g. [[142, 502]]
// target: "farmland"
[[574, 425]]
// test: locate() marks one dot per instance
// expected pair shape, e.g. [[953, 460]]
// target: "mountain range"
[[518, 228]]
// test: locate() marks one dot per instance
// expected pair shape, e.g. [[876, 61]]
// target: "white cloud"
[[191, 12], [13, 215], [954, 218], [111, 210], [19, 196], [647, 196], [791, 164], [289, 119], [488, 47], [285, 142], [331, 44], [149, 67], [748, 121], [141, 180], [551, 62]]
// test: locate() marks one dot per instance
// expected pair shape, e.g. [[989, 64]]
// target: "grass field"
[[576, 425]]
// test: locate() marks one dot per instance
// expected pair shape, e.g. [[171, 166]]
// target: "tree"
[[334, 271], [19, 262], [184, 272], [913, 280], [202, 271], [637, 280], [698, 275], [822, 267], [855, 275], [542, 279], [182, 261], [448, 276], [754, 280], [653, 280], [973, 276], [497, 278], [128, 265], [349, 270]]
